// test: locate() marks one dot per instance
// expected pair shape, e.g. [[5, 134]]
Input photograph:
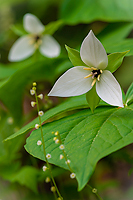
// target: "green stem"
[[95, 192], [43, 143]]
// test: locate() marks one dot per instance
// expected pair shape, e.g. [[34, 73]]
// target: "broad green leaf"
[[87, 138], [92, 98], [52, 27], [123, 45], [129, 95], [6, 72], [115, 60], [74, 57], [115, 32], [69, 105], [87, 11]]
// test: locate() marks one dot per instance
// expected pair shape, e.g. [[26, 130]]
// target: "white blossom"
[[80, 79], [36, 38]]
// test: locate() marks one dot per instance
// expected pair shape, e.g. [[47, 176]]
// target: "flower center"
[[35, 40], [95, 74]]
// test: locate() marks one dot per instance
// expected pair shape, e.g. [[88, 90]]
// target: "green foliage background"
[[69, 21]]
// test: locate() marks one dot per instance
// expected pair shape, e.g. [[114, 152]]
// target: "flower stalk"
[[47, 156]]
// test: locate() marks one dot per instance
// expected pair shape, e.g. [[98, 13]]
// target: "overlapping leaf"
[[87, 138]]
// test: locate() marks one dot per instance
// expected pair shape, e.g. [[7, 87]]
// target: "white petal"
[[21, 49], [49, 47], [32, 24], [108, 89], [93, 53], [72, 83]]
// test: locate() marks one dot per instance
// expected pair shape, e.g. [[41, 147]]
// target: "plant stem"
[[43, 143], [95, 192]]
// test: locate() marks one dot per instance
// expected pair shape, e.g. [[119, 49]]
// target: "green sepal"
[[129, 95], [115, 60], [52, 27], [74, 57], [92, 98], [18, 30]]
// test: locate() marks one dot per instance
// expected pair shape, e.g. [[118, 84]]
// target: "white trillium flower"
[[80, 79], [36, 38]]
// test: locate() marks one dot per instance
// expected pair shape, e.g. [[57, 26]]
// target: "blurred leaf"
[[87, 138], [15, 86], [52, 27], [129, 95], [123, 45], [115, 32], [71, 104], [87, 11], [26, 176], [92, 98], [115, 60], [74, 57], [5, 71]]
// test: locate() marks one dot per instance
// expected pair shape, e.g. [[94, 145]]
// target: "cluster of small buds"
[[44, 168], [32, 92], [53, 189], [72, 175], [61, 156], [61, 147], [48, 156], [10, 120], [40, 96], [47, 180], [39, 142], [33, 103], [57, 141], [67, 161], [40, 113], [94, 190], [37, 126]]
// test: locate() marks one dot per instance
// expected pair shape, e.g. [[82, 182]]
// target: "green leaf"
[[87, 138], [115, 32], [115, 60], [129, 95], [123, 45], [87, 11], [26, 176], [53, 27], [18, 29], [92, 98], [74, 57], [73, 103]]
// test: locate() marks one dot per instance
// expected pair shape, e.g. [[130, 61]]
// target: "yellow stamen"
[[88, 76], [98, 78], [93, 82], [87, 68], [101, 71], [93, 68]]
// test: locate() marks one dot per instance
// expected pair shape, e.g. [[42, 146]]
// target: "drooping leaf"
[[69, 105], [87, 138], [115, 60], [87, 11], [92, 98]]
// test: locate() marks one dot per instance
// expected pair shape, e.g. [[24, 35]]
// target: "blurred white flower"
[[36, 38], [80, 79]]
